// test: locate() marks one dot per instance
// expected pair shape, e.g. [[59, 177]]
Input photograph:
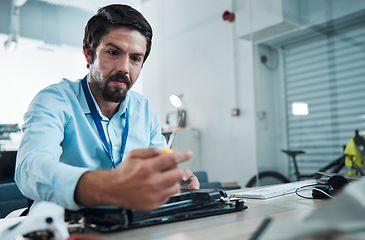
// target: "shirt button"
[[115, 148]]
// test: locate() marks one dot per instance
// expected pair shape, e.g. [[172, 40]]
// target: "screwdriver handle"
[[167, 150]]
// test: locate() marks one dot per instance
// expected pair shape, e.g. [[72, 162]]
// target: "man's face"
[[117, 64]]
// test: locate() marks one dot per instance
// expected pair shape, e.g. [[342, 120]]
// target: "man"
[[79, 137]]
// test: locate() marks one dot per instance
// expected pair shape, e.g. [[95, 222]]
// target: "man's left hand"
[[190, 181]]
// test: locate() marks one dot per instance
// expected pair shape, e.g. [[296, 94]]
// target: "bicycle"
[[272, 177]]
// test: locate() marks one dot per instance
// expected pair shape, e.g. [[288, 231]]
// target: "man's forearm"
[[92, 189], [145, 180]]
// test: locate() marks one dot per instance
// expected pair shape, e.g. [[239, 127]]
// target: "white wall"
[[29, 69], [193, 54]]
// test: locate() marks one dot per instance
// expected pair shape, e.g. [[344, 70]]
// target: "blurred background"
[[255, 76]]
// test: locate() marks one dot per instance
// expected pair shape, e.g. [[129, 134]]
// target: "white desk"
[[232, 226], [239, 225]]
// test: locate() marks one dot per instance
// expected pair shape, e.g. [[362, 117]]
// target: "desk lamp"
[[176, 102]]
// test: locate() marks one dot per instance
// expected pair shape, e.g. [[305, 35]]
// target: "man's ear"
[[87, 54]]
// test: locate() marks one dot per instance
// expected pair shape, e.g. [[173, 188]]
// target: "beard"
[[115, 93]]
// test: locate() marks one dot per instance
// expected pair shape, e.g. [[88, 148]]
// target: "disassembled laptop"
[[49, 221]]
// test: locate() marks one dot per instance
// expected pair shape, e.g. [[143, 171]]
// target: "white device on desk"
[[45, 216], [271, 191]]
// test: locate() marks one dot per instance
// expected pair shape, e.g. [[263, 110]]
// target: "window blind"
[[327, 73]]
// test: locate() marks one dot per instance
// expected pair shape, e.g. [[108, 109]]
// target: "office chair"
[[11, 199]]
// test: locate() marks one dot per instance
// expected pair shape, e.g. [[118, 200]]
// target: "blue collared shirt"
[[60, 140]]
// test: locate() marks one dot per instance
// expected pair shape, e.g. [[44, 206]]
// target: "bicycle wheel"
[[267, 178]]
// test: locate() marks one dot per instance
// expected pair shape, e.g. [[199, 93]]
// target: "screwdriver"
[[185, 183], [172, 136]]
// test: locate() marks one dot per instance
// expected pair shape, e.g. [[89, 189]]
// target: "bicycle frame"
[[336, 164]]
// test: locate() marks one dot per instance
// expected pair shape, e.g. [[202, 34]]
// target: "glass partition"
[[309, 61]]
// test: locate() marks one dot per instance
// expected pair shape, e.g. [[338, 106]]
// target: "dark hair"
[[112, 17]]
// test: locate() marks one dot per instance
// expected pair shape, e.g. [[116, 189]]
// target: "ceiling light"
[[299, 108]]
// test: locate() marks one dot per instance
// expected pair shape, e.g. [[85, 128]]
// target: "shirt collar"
[[83, 103], [124, 105]]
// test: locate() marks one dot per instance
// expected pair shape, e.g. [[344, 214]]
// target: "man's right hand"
[[144, 180]]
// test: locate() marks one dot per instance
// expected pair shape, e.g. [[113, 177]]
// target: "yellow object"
[[353, 157], [167, 150]]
